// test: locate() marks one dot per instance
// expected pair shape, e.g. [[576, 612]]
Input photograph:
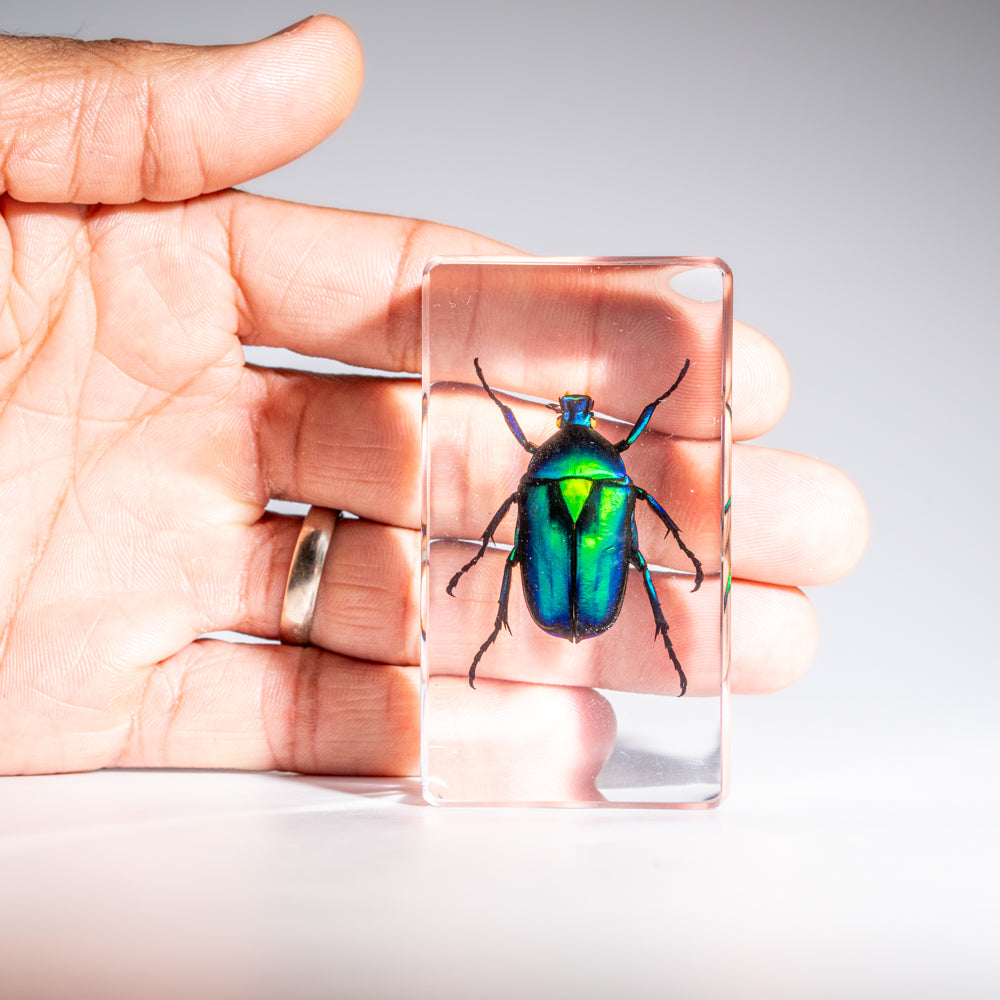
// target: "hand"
[[138, 451]]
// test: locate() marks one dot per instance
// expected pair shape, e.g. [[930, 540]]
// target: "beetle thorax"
[[575, 451]]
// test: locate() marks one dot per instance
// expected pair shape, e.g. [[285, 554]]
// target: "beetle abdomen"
[[573, 537]]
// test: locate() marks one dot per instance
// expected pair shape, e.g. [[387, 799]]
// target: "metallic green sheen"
[[573, 534]]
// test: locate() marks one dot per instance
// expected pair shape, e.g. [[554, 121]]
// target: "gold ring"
[[304, 575]]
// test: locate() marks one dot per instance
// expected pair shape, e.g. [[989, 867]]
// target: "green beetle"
[[576, 536]]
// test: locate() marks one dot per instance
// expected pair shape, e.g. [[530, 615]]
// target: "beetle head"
[[574, 410]]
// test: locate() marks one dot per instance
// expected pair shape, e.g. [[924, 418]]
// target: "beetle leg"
[[487, 537], [501, 621], [673, 530], [662, 628], [508, 414], [646, 415]]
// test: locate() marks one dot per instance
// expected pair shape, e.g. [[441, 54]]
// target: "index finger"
[[347, 285]]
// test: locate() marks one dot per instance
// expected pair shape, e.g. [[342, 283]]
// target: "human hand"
[[138, 451]]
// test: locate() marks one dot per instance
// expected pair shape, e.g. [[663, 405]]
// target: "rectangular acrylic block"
[[568, 519]]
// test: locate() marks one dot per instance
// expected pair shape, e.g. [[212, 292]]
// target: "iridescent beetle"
[[576, 535]]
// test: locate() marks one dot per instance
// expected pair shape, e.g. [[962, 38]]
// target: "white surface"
[[842, 159], [223, 885]]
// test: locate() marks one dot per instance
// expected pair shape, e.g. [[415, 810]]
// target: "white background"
[[843, 159]]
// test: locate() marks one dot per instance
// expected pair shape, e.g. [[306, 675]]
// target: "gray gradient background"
[[843, 158]]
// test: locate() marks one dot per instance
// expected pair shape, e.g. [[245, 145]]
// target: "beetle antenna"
[[646, 415], [508, 414]]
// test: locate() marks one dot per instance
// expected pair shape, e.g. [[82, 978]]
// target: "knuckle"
[[85, 121]]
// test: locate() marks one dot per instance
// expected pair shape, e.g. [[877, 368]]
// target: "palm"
[[129, 514]]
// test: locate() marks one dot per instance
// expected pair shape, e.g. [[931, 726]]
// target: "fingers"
[[775, 629], [353, 443], [119, 121], [515, 742], [230, 705], [227, 705], [621, 334], [796, 520], [302, 291], [368, 603], [368, 609], [290, 708], [476, 462], [338, 284], [762, 383]]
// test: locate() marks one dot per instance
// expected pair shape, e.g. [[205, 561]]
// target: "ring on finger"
[[304, 575]]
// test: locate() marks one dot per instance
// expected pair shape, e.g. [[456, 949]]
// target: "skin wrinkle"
[[280, 561], [308, 715], [130, 90], [92, 95], [298, 435], [410, 605], [177, 393], [291, 277], [234, 253], [285, 758], [264, 713], [132, 738], [237, 253], [19, 258], [202, 165], [50, 699], [22, 581], [399, 691], [160, 672], [253, 411], [54, 312], [376, 446], [253, 331], [372, 587], [173, 713], [202, 586], [92, 107], [401, 355], [73, 123], [369, 470], [265, 568], [128, 737], [6, 153]]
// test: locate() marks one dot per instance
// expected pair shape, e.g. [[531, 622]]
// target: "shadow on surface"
[[405, 791]]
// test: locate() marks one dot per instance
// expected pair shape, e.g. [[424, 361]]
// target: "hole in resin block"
[[703, 284]]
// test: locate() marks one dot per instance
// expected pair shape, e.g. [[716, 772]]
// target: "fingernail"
[[292, 27]]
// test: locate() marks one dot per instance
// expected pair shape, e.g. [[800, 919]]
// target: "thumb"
[[119, 121]]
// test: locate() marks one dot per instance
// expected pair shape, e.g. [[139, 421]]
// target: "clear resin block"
[[575, 573]]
